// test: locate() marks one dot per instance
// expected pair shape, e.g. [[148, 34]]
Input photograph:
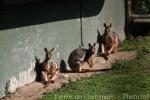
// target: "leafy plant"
[[141, 6]]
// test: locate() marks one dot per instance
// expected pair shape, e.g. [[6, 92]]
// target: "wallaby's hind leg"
[[101, 49], [52, 78], [78, 66], [54, 75], [102, 52], [112, 49], [90, 62], [116, 49], [44, 76]]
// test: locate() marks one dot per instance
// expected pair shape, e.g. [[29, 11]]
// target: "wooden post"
[[128, 12]]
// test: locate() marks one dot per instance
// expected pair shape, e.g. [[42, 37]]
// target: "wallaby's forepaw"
[[47, 83], [99, 54], [52, 81], [105, 56], [85, 70], [91, 65]]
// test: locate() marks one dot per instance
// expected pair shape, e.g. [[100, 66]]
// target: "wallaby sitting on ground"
[[108, 42], [80, 55], [49, 68]]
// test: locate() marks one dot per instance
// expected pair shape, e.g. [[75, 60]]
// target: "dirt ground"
[[35, 90]]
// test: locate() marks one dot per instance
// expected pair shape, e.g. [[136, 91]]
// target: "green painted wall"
[[111, 12], [25, 31]]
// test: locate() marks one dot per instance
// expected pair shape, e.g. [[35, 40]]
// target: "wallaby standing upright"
[[49, 69], [80, 55], [108, 42]]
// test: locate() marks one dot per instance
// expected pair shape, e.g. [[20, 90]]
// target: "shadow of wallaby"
[[86, 70], [38, 69], [63, 66]]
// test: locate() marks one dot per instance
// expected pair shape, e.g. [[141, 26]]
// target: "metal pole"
[[81, 12]]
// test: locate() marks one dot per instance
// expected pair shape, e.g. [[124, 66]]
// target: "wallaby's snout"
[[92, 48], [48, 53]]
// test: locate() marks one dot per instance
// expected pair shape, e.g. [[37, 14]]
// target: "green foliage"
[[141, 6], [121, 66], [139, 44], [144, 51]]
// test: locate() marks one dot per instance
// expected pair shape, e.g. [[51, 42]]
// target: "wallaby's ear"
[[110, 25], [105, 25], [94, 44], [46, 50], [52, 50], [89, 44], [98, 31]]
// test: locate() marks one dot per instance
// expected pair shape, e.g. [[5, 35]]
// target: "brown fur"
[[76, 66], [49, 74], [54, 70], [45, 62], [109, 40], [90, 52], [88, 57]]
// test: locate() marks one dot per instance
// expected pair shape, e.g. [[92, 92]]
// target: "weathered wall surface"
[[111, 12], [25, 31]]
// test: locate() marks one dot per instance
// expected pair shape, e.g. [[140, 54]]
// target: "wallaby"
[[49, 68], [80, 55], [108, 42]]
